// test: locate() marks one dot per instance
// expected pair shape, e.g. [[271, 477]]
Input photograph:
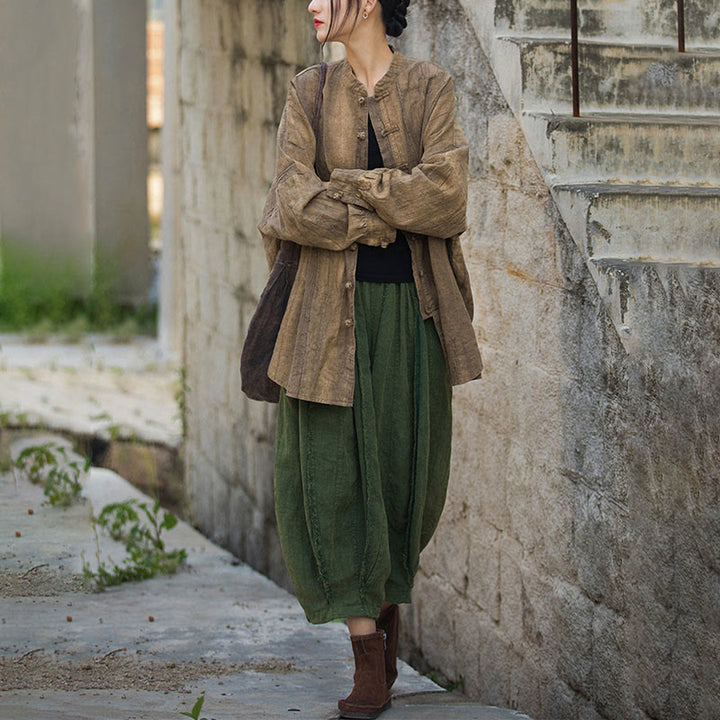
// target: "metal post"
[[681, 25], [574, 57]]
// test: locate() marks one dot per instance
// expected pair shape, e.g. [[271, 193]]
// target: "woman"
[[377, 329]]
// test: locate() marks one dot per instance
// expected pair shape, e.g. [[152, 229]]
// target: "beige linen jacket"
[[422, 190]]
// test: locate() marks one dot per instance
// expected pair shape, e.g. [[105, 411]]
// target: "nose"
[[312, 6]]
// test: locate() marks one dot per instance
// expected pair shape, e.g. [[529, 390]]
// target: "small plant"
[[181, 400], [195, 712], [50, 464], [140, 528]]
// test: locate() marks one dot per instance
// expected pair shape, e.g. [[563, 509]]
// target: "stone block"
[[218, 81], [612, 694], [530, 246], [573, 617], [255, 540], [208, 316], [468, 648], [484, 565], [511, 589], [229, 319], [436, 614], [188, 75], [526, 683], [494, 660], [194, 133], [220, 530], [192, 296], [587, 711], [190, 19], [561, 702], [239, 520], [602, 540], [189, 200], [510, 163], [453, 545], [263, 458], [220, 31]]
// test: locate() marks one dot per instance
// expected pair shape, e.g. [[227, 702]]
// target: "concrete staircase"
[[637, 177]]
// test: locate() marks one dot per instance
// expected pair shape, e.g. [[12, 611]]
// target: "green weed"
[[51, 465], [195, 712], [181, 399], [140, 528]]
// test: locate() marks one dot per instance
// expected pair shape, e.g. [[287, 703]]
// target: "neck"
[[369, 57]]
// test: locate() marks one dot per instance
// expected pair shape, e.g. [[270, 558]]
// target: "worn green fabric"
[[359, 490]]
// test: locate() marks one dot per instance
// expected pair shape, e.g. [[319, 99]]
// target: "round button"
[[361, 100], [361, 136], [348, 323], [349, 285], [335, 195], [353, 246]]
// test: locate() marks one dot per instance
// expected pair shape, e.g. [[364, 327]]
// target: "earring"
[[365, 15]]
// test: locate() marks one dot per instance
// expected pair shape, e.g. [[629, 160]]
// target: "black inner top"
[[378, 264]]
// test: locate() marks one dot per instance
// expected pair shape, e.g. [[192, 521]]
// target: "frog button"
[[348, 285], [361, 135], [353, 246], [349, 322]]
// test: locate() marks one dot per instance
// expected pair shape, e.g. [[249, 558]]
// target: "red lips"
[[318, 23]]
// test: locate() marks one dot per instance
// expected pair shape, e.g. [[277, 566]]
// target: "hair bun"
[[396, 16]]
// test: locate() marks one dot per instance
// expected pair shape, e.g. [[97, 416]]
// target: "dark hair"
[[393, 15]]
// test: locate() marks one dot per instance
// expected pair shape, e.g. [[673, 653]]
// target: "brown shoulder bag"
[[264, 326]]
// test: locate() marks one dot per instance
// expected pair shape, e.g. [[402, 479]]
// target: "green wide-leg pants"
[[359, 490]]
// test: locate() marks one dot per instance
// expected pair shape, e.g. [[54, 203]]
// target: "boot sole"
[[358, 715]]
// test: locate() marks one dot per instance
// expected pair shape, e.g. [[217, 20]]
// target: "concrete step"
[[622, 148], [616, 77], [652, 303], [653, 253], [662, 223], [636, 20]]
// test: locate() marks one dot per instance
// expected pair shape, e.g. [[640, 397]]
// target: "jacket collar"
[[396, 65]]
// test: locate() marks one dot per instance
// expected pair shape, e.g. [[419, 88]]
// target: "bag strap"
[[319, 99], [320, 167], [290, 251]]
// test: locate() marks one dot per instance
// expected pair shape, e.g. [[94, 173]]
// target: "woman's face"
[[344, 17]]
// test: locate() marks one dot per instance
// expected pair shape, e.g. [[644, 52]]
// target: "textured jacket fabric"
[[422, 190]]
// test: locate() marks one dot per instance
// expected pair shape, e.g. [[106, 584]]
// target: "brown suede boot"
[[370, 695], [389, 623]]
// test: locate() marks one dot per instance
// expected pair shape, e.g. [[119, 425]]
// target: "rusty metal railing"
[[681, 25], [575, 49], [574, 58]]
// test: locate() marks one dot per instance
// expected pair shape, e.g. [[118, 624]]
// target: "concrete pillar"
[[170, 311], [122, 257], [73, 146]]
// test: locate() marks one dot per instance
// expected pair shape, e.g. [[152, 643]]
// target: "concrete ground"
[[150, 649]]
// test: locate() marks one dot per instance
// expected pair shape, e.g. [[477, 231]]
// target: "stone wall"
[[575, 571], [234, 61]]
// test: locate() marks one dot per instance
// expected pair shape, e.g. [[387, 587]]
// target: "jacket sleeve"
[[432, 198], [298, 206]]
